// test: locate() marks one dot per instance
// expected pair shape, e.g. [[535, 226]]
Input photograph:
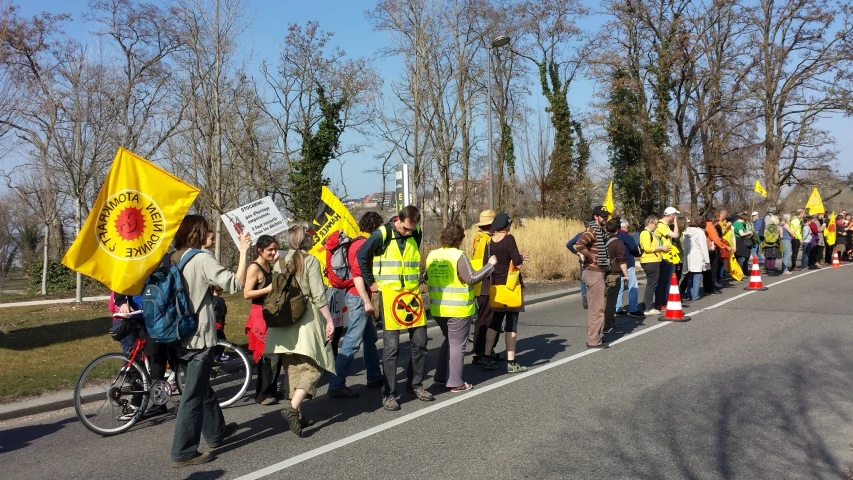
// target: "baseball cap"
[[600, 211], [754, 214], [670, 211]]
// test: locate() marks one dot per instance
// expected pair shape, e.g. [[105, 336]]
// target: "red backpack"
[[338, 271]]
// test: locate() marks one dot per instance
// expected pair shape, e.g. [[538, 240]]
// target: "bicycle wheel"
[[230, 376], [111, 394]]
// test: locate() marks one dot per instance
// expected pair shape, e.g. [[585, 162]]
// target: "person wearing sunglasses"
[[393, 250]]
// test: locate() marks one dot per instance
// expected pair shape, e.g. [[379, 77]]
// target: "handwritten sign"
[[336, 299], [260, 217]]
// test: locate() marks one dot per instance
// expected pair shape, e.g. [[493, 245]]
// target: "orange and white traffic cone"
[[674, 312], [835, 262], [755, 276]]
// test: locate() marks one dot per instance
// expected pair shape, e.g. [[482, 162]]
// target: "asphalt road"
[[756, 386]]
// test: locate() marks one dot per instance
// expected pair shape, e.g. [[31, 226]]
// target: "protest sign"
[[260, 217]]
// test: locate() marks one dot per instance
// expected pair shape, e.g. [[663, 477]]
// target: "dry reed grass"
[[543, 242]]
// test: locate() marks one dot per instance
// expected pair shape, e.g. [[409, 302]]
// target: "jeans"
[[361, 329], [756, 251], [633, 291], [807, 251], [583, 285], [199, 413], [694, 280], [652, 275], [416, 369], [786, 254]]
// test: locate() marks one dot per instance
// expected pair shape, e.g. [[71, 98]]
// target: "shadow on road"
[[211, 475], [20, 437], [767, 421]]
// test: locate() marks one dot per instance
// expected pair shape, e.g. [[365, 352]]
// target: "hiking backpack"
[[285, 304], [165, 303], [771, 233], [338, 271]]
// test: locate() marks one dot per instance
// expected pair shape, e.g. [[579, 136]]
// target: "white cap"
[[670, 211], [754, 214]]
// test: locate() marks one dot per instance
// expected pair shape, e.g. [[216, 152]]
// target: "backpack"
[[165, 304], [338, 270], [771, 233], [606, 268], [285, 304]]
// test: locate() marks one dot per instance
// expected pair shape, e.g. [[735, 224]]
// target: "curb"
[[32, 303]]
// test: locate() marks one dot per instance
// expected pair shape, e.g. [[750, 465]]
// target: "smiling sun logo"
[[130, 225]]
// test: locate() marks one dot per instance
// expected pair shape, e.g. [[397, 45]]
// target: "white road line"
[[277, 467]]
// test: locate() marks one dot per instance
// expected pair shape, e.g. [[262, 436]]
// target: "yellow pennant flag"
[[759, 189], [131, 224], [608, 200], [331, 216], [815, 203], [829, 231]]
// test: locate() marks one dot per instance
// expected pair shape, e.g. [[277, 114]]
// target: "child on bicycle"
[[220, 310]]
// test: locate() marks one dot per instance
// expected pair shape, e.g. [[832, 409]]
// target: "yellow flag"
[[331, 216], [608, 199], [731, 263], [759, 189], [815, 203], [132, 222], [829, 231]]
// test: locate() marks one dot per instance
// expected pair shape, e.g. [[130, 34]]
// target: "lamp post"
[[496, 43]]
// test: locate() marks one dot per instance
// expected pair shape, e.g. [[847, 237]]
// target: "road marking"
[[277, 467]]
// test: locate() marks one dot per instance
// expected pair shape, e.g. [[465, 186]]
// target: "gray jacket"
[[200, 273]]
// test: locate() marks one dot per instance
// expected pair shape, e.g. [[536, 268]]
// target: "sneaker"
[[421, 393], [787, 272], [463, 388], [343, 392], [375, 384], [651, 311], [229, 430], [497, 356], [224, 358], [621, 312], [157, 410], [487, 363], [585, 304], [390, 403], [512, 367], [637, 314], [128, 414], [292, 416], [197, 460]]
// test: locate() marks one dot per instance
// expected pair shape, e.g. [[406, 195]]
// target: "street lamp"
[[496, 43]]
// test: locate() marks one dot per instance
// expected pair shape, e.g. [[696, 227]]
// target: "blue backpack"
[[165, 306]]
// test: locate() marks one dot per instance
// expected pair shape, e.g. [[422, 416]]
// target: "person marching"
[[481, 290], [503, 246], [303, 348], [258, 285], [393, 249], [450, 279]]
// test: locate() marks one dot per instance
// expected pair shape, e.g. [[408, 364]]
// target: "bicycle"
[[113, 390], [230, 376]]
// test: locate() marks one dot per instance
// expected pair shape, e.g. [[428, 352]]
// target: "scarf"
[[603, 260]]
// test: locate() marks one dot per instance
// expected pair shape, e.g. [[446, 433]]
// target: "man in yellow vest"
[[451, 279], [396, 271], [670, 257]]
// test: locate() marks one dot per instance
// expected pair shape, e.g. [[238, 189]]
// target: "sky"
[[355, 34]]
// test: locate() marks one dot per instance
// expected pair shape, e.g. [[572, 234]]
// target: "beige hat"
[[486, 218]]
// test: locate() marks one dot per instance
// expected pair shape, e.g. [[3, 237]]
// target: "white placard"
[[336, 298], [260, 217]]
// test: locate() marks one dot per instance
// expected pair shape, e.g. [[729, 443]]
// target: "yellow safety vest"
[[797, 227], [448, 296], [396, 270], [672, 256], [478, 258]]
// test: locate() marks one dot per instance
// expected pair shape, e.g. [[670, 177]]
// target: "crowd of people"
[[385, 266]]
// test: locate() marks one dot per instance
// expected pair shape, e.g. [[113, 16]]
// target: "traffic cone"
[[755, 276], [673, 311], [835, 262]]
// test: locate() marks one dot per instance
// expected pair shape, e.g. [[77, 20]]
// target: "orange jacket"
[[711, 232]]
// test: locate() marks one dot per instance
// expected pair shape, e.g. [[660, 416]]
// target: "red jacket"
[[352, 258]]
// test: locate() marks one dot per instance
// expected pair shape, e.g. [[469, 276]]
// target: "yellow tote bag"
[[509, 295]]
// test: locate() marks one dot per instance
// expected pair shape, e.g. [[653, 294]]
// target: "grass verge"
[[44, 348]]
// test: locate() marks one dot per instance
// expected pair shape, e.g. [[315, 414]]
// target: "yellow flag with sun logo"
[[131, 224]]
